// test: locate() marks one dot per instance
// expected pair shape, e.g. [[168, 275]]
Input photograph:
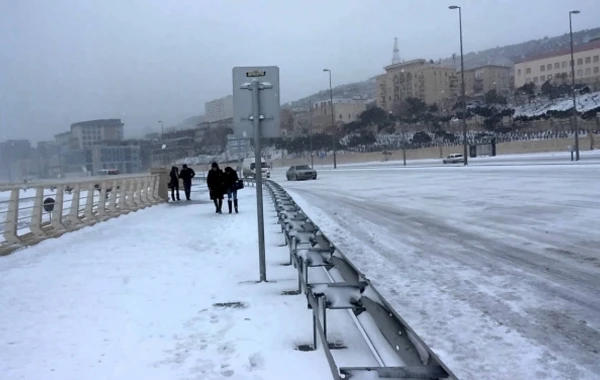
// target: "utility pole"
[[333, 132]]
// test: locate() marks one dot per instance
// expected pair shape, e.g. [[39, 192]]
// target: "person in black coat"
[[216, 186], [174, 182], [230, 181], [186, 174]]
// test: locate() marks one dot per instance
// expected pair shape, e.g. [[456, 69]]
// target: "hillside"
[[503, 55]]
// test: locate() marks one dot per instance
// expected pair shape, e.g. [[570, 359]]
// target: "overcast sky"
[[63, 61]]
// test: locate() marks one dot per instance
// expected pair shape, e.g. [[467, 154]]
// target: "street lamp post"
[[310, 131], [333, 134], [162, 142], [575, 127], [462, 76]]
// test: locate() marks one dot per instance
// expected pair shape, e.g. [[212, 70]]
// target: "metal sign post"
[[259, 114]]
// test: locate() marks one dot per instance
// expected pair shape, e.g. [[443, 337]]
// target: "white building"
[[219, 109]]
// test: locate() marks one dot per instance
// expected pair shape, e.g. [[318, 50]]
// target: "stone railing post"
[[88, 214], [163, 183], [36, 213], [130, 194], [112, 198], [101, 212], [123, 196], [57, 213], [74, 218], [11, 225]]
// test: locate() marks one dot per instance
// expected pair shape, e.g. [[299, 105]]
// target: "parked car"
[[454, 158], [300, 172]]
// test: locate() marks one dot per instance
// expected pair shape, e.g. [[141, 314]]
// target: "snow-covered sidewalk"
[[145, 296]]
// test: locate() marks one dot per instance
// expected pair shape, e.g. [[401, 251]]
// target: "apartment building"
[[555, 67], [219, 109], [344, 110], [430, 82], [92, 132], [482, 79]]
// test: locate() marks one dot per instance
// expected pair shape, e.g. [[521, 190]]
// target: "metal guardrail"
[[310, 249], [54, 208]]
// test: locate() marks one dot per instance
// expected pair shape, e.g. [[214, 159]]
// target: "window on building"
[[579, 73], [580, 62], [564, 64], [528, 71], [596, 70], [543, 78], [542, 68], [588, 60], [588, 71], [535, 79], [349, 116], [557, 65], [519, 72], [596, 58], [549, 67], [549, 76], [340, 117]]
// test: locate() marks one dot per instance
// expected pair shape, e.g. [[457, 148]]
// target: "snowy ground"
[[497, 268], [136, 297]]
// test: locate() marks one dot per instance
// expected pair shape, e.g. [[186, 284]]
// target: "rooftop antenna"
[[396, 56]]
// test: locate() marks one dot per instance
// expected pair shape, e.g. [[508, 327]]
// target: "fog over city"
[[65, 61]]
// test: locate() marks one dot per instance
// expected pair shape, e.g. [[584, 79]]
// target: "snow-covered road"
[[498, 268]]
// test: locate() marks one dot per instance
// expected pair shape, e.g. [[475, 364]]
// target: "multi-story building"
[[177, 144], [482, 79], [555, 67], [48, 156], [219, 109], [126, 158], [432, 83], [238, 147], [92, 132], [344, 110], [14, 158]]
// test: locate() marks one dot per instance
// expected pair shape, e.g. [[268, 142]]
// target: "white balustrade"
[[27, 216]]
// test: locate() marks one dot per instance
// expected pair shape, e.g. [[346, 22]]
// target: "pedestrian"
[[174, 182], [186, 176], [231, 186], [216, 187]]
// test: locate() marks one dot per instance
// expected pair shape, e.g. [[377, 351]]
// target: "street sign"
[[269, 100]]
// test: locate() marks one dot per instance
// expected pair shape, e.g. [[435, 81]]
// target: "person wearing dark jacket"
[[230, 179], [174, 182], [216, 185], [186, 176]]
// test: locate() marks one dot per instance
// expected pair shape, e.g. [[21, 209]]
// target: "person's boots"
[[216, 206], [220, 206], [235, 204], [229, 205]]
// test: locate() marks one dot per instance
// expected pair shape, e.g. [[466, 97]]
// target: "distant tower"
[[396, 56]]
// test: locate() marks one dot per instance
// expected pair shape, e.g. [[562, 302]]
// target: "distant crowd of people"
[[220, 183]]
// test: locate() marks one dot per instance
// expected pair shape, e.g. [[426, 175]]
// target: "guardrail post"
[[112, 198], [88, 213], [74, 212], [11, 234], [36, 213], [57, 213], [101, 212]]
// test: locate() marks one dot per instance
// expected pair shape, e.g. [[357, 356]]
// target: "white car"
[[454, 158]]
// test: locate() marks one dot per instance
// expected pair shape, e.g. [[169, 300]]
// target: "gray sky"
[[63, 61]]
